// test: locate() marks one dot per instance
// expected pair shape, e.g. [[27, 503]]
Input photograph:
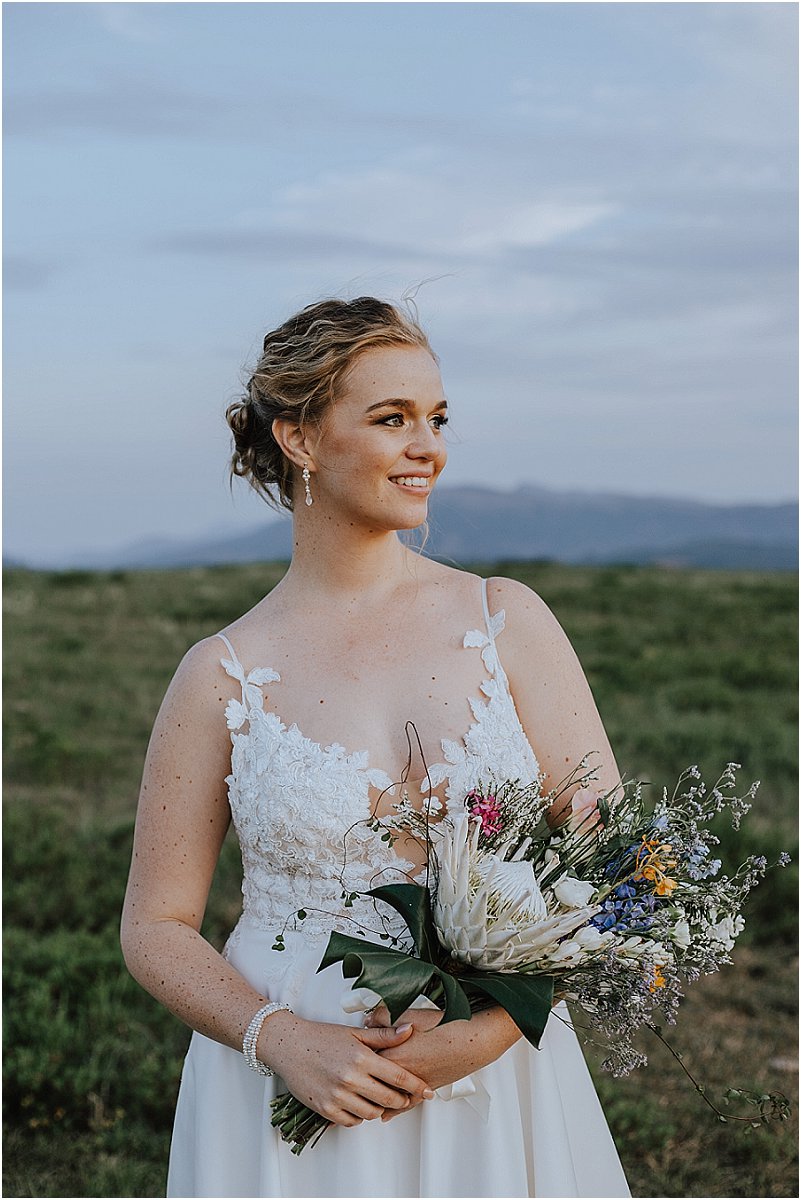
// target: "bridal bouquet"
[[613, 910]]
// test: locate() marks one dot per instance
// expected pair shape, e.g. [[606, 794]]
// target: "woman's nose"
[[425, 443]]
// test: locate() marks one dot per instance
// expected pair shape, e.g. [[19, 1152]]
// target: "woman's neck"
[[347, 563]]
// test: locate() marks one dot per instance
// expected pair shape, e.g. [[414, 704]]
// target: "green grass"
[[686, 666]]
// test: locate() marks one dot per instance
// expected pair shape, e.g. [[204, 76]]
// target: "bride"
[[291, 723]]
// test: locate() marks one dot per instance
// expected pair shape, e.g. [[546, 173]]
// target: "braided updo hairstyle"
[[298, 376]]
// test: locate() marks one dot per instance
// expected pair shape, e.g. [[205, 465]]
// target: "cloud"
[[417, 214], [24, 273], [437, 208], [278, 245], [147, 105], [676, 288], [746, 48], [686, 239], [118, 108]]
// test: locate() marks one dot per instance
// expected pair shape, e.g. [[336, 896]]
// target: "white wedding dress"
[[529, 1124]]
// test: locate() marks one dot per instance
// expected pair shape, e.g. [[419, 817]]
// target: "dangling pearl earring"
[[306, 484]]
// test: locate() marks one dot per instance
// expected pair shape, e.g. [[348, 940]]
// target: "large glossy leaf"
[[400, 978], [526, 998], [397, 978], [457, 1005], [340, 944], [413, 902]]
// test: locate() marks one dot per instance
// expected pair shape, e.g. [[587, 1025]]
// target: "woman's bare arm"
[[559, 715], [182, 819], [551, 692]]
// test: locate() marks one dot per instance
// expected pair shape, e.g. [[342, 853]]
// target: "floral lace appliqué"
[[301, 809]]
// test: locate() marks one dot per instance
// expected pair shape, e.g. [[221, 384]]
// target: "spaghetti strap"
[[495, 625], [231, 651], [252, 696], [485, 602]]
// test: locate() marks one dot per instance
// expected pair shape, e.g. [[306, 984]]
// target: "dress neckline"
[[380, 779], [494, 686]]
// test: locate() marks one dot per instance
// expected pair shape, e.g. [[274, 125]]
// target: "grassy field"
[[686, 667]]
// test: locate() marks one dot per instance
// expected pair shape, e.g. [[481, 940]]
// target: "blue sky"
[[603, 195]]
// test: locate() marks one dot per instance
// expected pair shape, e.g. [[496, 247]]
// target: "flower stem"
[[772, 1106]]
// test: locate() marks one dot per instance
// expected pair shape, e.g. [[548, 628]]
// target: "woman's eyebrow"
[[403, 402]]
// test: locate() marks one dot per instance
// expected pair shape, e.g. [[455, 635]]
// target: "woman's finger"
[[389, 1113], [359, 1106], [378, 1018], [386, 1097], [381, 1037], [398, 1077]]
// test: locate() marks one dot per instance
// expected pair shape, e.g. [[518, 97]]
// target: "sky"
[[595, 205]]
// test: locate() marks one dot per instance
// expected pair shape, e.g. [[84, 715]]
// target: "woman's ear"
[[292, 439]]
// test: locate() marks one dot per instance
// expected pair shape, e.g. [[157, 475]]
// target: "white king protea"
[[489, 912]]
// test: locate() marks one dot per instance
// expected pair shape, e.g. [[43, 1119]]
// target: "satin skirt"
[[529, 1124]]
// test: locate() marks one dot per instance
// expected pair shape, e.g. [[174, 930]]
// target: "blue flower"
[[628, 913]]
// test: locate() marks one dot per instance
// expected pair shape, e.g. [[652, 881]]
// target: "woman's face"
[[381, 447]]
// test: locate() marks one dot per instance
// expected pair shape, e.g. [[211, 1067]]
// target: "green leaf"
[[340, 944], [397, 978], [457, 1005], [413, 902], [526, 998]]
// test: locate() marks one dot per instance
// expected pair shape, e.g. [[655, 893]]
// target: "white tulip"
[[574, 893], [591, 938], [681, 934], [659, 955]]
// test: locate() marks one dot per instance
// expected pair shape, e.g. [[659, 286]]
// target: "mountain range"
[[480, 524]]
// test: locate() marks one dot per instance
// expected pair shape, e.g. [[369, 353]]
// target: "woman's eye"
[[396, 420]]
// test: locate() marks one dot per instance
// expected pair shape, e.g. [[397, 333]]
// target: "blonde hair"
[[298, 376]]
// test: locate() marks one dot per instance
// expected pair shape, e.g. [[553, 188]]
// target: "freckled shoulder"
[[201, 684], [528, 618]]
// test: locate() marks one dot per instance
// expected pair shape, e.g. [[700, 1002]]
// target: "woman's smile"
[[414, 483]]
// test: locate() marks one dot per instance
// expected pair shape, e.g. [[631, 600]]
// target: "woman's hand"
[[422, 1019], [445, 1053], [340, 1071]]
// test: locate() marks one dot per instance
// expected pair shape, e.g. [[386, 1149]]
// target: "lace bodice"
[[302, 810]]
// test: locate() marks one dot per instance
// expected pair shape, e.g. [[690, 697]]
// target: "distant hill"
[[587, 527], [470, 524]]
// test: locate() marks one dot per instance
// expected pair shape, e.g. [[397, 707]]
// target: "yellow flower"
[[665, 886], [652, 864], [658, 980]]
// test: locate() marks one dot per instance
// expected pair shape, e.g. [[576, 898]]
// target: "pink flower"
[[488, 811]]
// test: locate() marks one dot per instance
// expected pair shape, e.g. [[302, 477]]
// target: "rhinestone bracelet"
[[252, 1036]]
